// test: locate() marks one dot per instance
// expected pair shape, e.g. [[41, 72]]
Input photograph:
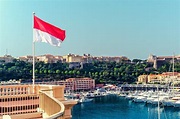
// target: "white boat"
[[159, 99], [84, 99], [122, 95], [130, 96], [139, 99], [89, 95], [149, 99], [170, 102], [177, 103]]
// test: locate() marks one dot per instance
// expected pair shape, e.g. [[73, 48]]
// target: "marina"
[[155, 96], [118, 107]]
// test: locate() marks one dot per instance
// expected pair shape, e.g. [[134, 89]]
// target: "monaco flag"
[[45, 32]]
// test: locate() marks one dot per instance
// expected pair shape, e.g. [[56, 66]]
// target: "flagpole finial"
[[33, 13]]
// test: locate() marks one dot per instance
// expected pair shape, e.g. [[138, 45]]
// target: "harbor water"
[[116, 107]]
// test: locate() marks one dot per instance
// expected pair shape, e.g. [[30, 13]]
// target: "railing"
[[15, 90], [17, 99], [47, 101], [50, 106]]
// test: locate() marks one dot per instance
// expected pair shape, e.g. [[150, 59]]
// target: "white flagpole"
[[33, 48]]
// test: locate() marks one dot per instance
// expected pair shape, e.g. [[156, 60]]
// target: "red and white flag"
[[45, 32]]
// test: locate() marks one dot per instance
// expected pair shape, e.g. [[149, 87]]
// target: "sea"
[[116, 107]]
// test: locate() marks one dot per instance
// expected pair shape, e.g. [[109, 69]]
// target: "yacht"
[[84, 99], [171, 101], [177, 103], [139, 99]]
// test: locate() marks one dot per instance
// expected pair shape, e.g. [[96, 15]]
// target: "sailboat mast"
[[173, 74], [158, 102]]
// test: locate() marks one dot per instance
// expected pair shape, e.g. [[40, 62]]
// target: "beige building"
[[111, 59], [6, 59], [163, 78], [70, 58], [48, 58], [153, 78], [27, 58], [59, 58], [88, 58], [143, 79], [73, 58]]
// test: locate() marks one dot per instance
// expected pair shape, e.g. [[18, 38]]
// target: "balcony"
[[28, 102]]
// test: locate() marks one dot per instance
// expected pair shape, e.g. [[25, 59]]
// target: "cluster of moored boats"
[[154, 97], [168, 98], [85, 96]]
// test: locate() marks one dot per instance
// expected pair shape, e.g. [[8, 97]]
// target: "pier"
[[142, 87]]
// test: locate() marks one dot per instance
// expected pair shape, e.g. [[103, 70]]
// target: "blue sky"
[[132, 28]]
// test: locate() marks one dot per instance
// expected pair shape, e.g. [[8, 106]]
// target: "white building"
[[6, 59]]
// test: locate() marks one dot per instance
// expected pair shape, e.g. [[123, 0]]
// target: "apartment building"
[[73, 58], [163, 78], [153, 78], [76, 84], [143, 79], [47, 58], [87, 58], [27, 58]]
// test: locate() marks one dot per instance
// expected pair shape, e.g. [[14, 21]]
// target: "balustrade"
[[47, 101]]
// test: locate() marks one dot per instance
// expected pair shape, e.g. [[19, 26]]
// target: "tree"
[[102, 72], [105, 73], [45, 71], [78, 73], [57, 71]]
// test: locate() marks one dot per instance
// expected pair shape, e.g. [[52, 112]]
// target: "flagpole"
[[33, 48]]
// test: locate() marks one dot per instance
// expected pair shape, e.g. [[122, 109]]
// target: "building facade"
[[48, 58], [143, 79], [6, 59], [77, 84], [163, 78], [70, 58], [158, 61], [27, 58], [73, 58]]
